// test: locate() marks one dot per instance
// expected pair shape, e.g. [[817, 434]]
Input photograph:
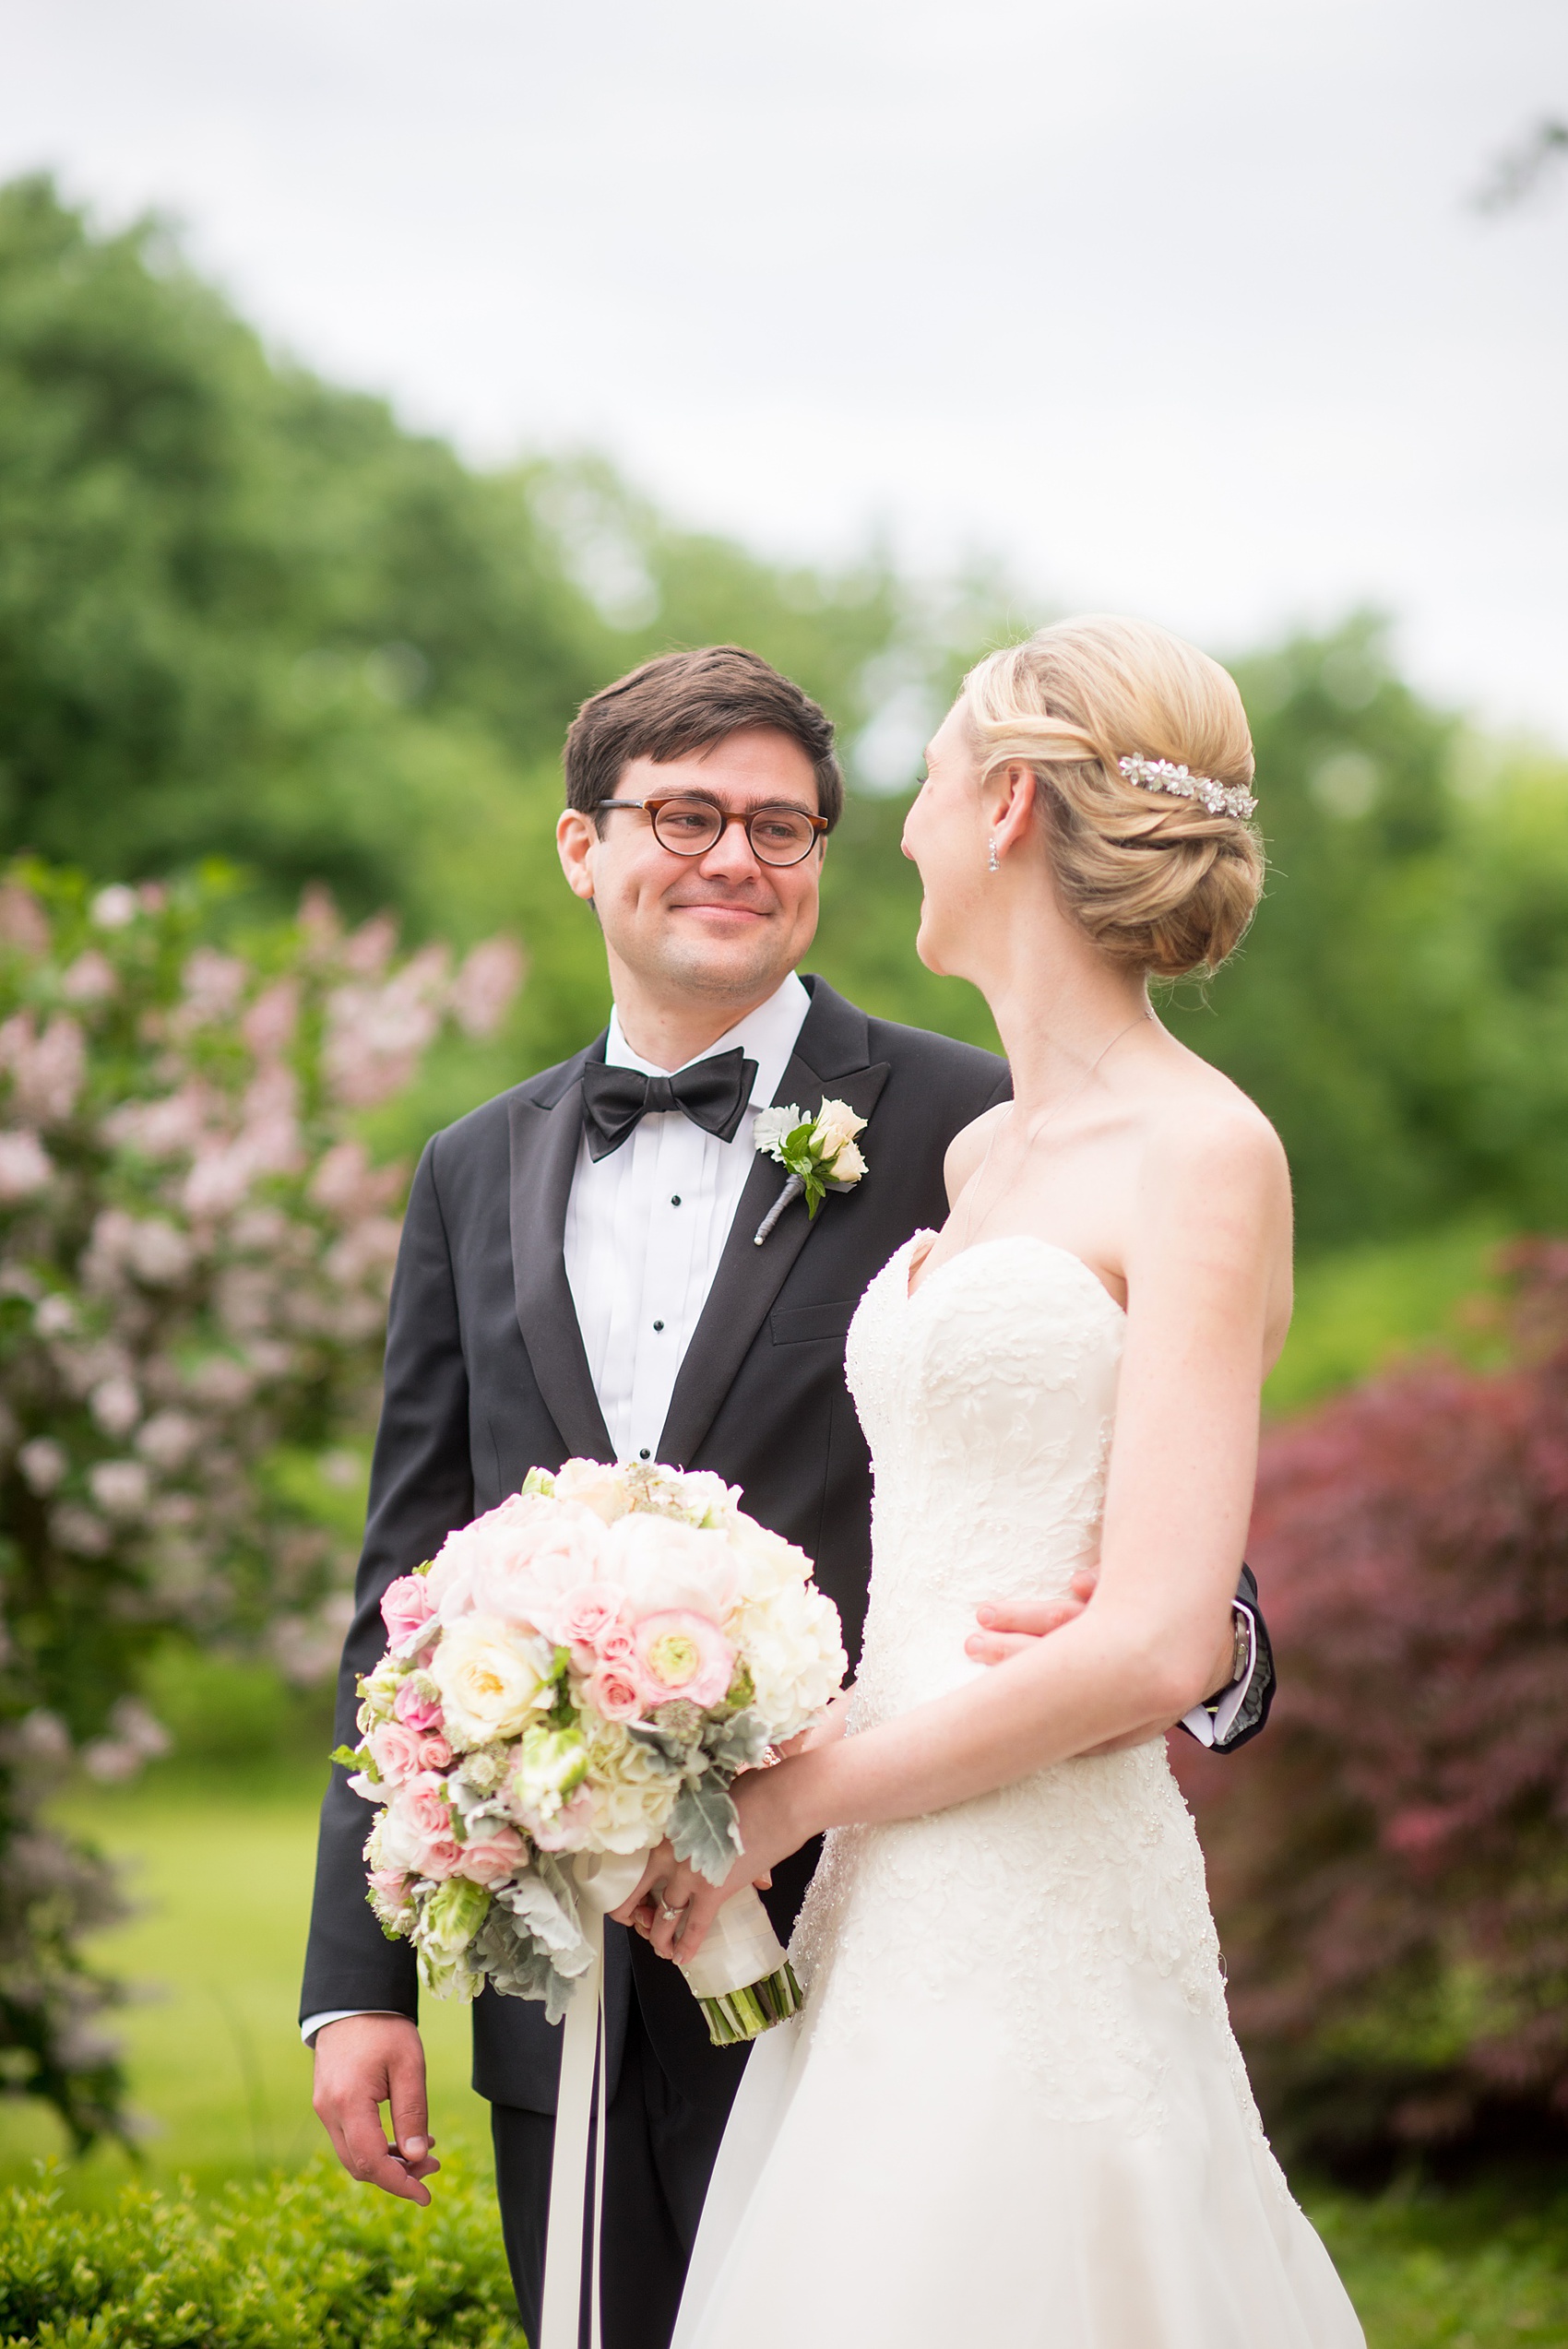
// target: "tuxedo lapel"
[[544, 1138], [830, 1057]]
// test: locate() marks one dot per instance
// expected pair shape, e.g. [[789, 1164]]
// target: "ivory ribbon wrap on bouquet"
[[741, 1948]]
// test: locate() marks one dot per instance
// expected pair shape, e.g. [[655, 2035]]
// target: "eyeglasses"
[[779, 833]]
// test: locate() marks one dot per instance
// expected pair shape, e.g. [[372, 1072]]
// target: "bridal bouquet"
[[582, 1672]]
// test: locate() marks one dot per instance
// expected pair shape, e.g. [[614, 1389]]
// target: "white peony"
[[529, 1549], [793, 1643], [660, 1565], [489, 1680]]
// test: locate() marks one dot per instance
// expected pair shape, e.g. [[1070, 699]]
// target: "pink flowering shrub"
[[194, 1256], [1388, 1861]]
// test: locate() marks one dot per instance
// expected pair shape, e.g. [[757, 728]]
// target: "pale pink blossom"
[[421, 1805], [121, 1487], [47, 1070], [405, 1605], [90, 979], [500, 1855], [114, 906], [23, 922], [588, 1616], [395, 1750], [116, 1404], [615, 1691], [25, 1165], [214, 983], [43, 1463], [441, 1857], [681, 1656], [419, 1704], [434, 1753], [168, 1439], [268, 1026], [490, 977], [392, 1884]]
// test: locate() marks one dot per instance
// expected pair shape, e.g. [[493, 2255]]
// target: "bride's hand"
[[683, 1904]]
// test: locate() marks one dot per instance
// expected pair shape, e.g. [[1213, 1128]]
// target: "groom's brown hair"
[[691, 701]]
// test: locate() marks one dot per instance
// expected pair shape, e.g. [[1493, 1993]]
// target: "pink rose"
[[405, 1604], [681, 1656], [618, 1647], [586, 1615], [421, 1802], [500, 1855], [392, 1884], [613, 1691], [434, 1754], [420, 1707], [395, 1750], [441, 1857]]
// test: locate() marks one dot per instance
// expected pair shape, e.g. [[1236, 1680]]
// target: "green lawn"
[[221, 1869]]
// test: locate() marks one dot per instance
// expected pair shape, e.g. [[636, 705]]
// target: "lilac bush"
[[195, 1254]]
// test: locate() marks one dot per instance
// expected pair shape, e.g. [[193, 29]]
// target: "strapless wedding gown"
[[1012, 2112]]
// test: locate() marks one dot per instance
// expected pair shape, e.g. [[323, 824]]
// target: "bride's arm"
[[1213, 1230]]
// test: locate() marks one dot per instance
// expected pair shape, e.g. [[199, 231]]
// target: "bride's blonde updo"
[[1161, 885]]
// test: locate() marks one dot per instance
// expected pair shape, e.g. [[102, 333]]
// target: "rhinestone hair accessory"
[[1163, 775]]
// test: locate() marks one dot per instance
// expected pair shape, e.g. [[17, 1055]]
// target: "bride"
[[1013, 2111]]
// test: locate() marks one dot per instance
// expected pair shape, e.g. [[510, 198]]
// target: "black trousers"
[[659, 2152]]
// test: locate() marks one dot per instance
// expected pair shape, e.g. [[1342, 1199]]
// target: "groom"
[[579, 1276]]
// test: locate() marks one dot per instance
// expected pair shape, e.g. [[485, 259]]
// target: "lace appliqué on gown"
[[989, 1400]]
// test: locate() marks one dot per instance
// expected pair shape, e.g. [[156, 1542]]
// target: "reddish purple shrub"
[[1389, 1864]]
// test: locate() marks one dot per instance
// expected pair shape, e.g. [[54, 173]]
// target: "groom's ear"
[[576, 837]]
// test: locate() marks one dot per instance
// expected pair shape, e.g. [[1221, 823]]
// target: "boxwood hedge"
[[290, 2263]]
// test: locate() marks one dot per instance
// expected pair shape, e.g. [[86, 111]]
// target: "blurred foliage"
[[300, 2263], [1361, 1310], [1387, 1871], [242, 611]]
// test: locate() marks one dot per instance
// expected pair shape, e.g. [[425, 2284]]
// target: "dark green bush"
[[303, 2262]]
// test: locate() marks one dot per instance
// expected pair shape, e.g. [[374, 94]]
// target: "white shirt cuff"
[[1213, 1729], [314, 2023]]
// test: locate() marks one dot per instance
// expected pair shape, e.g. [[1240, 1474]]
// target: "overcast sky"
[[1182, 308]]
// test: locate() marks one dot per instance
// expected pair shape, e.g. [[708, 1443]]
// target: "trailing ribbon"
[[744, 1984], [603, 1880]]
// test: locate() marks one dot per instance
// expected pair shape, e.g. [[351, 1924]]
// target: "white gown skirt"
[[912, 2162]]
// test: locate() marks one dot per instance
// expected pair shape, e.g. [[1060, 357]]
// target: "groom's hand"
[[362, 2063], [1009, 1630]]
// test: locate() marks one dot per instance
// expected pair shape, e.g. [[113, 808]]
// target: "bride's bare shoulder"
[[1212, 1158], [967, 1150]]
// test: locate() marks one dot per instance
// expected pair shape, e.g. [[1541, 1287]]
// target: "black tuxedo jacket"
[[487, 1377]]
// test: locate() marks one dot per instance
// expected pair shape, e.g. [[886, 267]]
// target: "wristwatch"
[[1241, 1648]]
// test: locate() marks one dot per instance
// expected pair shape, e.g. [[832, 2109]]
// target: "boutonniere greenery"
[[817, 1153]]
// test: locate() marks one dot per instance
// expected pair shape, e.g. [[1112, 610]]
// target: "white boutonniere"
[[817, 1153]]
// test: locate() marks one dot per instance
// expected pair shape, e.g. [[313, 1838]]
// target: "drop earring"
[[992, 861]]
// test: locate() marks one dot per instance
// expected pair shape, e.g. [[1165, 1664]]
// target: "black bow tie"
[[713, 1094]]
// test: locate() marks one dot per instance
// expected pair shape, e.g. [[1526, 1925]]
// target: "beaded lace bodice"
[[989, 1401]]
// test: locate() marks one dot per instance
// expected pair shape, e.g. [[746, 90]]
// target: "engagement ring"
[[670, 1915]]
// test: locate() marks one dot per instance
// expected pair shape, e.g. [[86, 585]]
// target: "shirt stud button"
[[675, 1200], [659, 1325], [645, 1453]]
